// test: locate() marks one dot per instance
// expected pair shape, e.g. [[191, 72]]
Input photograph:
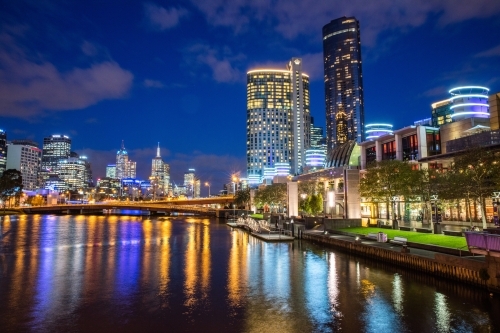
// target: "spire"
[[158, 150], [123, 145]]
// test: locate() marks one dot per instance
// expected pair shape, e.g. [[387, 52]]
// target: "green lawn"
[[415, 237]]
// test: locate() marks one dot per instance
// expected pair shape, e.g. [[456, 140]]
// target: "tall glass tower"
[[343, 82], [278, 119]]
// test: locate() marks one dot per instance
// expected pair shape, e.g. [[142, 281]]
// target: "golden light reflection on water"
[[197, 257], [237, 271], [164, 276]]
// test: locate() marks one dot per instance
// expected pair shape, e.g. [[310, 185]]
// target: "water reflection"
[[95, 273]]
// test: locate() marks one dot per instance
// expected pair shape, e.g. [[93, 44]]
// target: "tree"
[[11, 185], [273, 195], [475, 173], [387, 179], [242, 198], [316, 204]]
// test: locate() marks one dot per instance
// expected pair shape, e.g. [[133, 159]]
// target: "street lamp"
[[437, 229], [235, 179], [208, 184]]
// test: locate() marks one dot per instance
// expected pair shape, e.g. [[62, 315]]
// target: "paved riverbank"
[[480, 271]]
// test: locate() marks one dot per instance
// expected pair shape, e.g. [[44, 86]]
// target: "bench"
[[424, 230], [453, 233], [406, 228], [398, 240], [371, 236]]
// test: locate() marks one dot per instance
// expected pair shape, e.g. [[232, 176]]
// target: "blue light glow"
[[468, 96], [469, 104], [467, 87], [372, 125], [469, 113]]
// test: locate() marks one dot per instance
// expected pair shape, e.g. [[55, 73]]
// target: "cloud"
[[32, 86], [148, 83], [493, 52], [436, 91], [221, 62], [160, 18], [306, 17]]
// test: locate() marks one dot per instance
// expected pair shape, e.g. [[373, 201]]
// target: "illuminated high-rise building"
[[191, 184], [24, 156], [111, 171], [160, 172], [124, 167], [343, 82], [278, 119], [55, 148], [3, 151]]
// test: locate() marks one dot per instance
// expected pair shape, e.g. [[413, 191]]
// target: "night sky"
[[174, 72]]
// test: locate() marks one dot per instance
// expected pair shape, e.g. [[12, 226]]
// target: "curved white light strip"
[[371, 137], [465, 113], [467, 87], [467, 96], [469, 104], [371, 125], [379, 130]]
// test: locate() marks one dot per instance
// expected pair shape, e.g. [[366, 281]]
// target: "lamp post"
[[436, 227], [208, 184], [395, 215], [235, 179]]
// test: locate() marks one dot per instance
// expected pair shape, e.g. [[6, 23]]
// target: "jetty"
[[262, 229]]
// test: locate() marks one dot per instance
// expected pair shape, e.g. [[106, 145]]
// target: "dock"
[[262, 230]]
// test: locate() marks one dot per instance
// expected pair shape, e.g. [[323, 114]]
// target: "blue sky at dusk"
[[174, 72]]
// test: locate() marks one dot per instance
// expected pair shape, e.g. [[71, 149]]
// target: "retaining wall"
[[443, 265]]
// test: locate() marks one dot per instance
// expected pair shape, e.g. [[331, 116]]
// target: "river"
[[190, 274]]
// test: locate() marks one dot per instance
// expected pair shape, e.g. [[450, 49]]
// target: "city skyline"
[[175, 72]]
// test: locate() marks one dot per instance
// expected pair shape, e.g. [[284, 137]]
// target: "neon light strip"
[[469, 104], [378, 130], [468, 87], [467, 96], [371, 125], [465, 113]]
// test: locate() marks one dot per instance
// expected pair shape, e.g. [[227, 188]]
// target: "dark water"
[[119, 274]]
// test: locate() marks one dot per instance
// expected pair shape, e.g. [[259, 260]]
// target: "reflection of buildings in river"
[[198, 242], [237, 268], [165, 253]]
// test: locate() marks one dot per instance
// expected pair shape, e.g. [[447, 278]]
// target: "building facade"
[[343, 82], [3, 151], [278, 119], [111, 171], [124, 167], [55, 148], [160, 173], [25, 156]]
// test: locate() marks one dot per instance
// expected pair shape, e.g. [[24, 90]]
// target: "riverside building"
[[278, 120], [55, 148], [3, 151], [343, 82], [124, 167], [24, 156], [160, 173]]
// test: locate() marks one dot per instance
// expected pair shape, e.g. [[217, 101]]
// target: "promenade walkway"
[[392, 247]]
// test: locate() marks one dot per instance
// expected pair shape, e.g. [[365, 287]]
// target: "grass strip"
[[413, 236]]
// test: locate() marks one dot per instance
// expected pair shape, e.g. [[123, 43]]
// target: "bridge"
[[199, 206]]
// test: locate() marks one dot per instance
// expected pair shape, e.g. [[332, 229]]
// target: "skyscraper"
[[343, 82], [191, 184], [3, 151], [278, 119], [55, 148], [24, 155], [160, 171], [124, 167]]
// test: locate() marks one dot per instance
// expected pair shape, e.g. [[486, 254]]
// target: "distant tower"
[[124, 167], [55, 148], [191, 184], [161, 172], [3, 151], [343, 81]]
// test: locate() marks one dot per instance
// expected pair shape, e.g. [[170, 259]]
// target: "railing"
[[483, 243]]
